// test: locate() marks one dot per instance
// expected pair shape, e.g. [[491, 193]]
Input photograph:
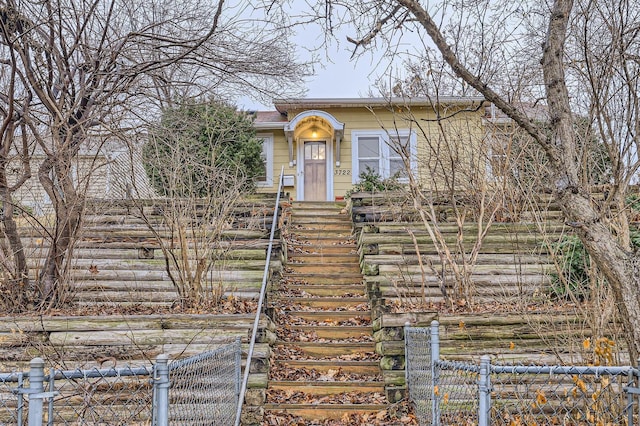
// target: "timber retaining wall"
[[407, 278]]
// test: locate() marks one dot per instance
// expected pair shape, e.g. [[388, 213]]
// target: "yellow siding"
[[452, 155], [457, 142]]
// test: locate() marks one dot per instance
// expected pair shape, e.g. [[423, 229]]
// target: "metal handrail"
[[265, 277]]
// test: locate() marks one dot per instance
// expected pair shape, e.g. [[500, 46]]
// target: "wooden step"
[[322, 303], [330, 268], [323, 224], [302, 206], [322, 366], [324, 411], [310, 223], [321, 245], [330, 316], [321, 249], [298, 258], [335, 332], [336, 209], [324, 350], [339, 291], [326, 278], [330, 229], [326, 235], [319, 388]]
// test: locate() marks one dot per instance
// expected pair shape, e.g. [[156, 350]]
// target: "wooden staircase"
[[324, 366]]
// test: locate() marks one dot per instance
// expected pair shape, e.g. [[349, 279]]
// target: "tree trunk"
[[619, 265], [614, 258], [19, 284], [69, 206]]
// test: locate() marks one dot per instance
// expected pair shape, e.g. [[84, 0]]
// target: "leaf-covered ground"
[[227, 305], [284, 317], [286, 333], [398, 414], [281, 352], [289, 373]]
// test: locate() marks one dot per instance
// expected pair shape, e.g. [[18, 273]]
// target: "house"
[[102, 169], [324, 144]]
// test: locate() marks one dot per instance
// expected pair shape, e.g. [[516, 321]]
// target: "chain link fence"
[[200, 390], [11, 403], [462, 393], [204, 388], [442, 392]]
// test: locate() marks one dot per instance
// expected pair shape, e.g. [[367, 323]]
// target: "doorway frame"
[[300, 167]]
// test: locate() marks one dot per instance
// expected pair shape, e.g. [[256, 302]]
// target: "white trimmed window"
[[266, 180], [379, 151], [500, 144]]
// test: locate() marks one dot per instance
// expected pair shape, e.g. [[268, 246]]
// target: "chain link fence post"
[[632, 391], [435, 357], [36, 391], [631, 383], [405, 337], [20, 413], [484, 387], [633, 398], [161, 385], [52, 391]]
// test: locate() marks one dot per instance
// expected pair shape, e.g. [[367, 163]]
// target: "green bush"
[[199, 145], [371, 181], [574, 263], [633, 204]]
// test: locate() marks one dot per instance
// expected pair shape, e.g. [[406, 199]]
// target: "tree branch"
[[427, 22]]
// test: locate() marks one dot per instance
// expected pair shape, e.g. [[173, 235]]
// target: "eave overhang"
[[285, 105]]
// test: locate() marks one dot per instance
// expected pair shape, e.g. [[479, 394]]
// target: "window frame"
[[267, 149], [500, 142], [386, 152]]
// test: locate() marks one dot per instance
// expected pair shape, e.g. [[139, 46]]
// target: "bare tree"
[[91, 68], [201, 157], [588, 66], [15, 169], [451, 189]]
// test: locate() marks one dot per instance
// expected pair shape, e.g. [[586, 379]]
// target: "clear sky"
[[341, 79], [336, 74]]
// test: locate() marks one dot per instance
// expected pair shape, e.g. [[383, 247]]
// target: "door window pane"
[[314, 151], [321, 152]]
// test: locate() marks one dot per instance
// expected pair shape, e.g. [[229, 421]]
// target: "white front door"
[[314, 171]]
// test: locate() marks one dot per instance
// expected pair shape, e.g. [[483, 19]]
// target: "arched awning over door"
[[314, 118]]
